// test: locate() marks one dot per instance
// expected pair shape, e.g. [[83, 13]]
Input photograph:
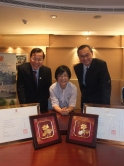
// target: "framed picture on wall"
[[82, 129], [45, 130], [20, 59]]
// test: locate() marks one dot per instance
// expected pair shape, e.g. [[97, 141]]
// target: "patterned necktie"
[[35, 78]]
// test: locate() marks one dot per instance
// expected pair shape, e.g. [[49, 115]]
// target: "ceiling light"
[[97, 16], [86, 33], [53, 16]]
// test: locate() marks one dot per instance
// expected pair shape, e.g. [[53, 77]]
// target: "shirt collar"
[[86, 66], [60, 86]]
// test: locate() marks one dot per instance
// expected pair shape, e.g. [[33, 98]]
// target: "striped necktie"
[[35, 78]]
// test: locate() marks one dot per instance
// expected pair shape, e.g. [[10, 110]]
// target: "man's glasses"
[[37, 59], [84, 56]]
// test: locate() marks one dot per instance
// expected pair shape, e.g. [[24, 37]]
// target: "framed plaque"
[[82, 129], [14, 122], [110, 122], [45, 130]]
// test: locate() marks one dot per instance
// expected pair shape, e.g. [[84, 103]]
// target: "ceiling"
[[74, 17]]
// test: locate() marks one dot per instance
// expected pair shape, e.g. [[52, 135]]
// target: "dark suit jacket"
[[28, 91], [98, 82]]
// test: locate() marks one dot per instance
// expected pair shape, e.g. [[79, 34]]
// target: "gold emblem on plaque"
[[82, 128], [45, 129]]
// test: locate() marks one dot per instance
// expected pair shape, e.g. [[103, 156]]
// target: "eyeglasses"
[[84, 56], [63, 76], [35, 59]]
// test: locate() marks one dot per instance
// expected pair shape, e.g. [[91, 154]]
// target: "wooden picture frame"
[[82, 129], [45, 130]]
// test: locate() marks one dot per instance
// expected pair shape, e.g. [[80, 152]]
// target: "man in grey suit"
[[34, 80], [93, 77]]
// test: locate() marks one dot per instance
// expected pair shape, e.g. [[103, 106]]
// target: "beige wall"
[[62, 50]]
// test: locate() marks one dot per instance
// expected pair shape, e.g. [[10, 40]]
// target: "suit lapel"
[[81, 72]]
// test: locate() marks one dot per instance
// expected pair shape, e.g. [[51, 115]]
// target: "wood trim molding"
[[24, 40]]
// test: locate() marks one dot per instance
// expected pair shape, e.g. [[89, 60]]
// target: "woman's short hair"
[[61, 69], [34, 50]]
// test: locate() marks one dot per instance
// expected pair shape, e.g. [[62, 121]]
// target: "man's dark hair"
[[84, 46], [61, 69], [34, 50]]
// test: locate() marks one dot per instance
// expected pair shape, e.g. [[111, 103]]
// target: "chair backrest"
[[122, 95], [49, 105]]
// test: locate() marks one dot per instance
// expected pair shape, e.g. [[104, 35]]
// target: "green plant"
[[12, 102], [3, 102]]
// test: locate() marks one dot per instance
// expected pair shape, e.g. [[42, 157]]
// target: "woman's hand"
[[64, 111]]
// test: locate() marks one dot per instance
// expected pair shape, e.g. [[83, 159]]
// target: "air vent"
[[51, 7], [106, 9], [4, 1], [33, 5], [119, 10], [79, 9], [17, 3], [93, 9], [64, 8]]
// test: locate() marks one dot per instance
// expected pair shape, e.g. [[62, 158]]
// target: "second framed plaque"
[[82, 129], [45, 130]]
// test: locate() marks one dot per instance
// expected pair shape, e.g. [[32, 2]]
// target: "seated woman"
[[63, 94]]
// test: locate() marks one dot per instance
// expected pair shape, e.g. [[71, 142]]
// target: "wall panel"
[[113, 58], [24, 40], [76, 41], [116, 92], [61, 56]]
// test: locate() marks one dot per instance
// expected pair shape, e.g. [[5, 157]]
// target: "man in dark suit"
[[34, 80], [93, 77]]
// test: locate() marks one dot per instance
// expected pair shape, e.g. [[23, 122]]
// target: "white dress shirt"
[[63, 97]]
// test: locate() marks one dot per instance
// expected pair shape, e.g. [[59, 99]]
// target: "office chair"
[[122, 96], [49, 105]]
